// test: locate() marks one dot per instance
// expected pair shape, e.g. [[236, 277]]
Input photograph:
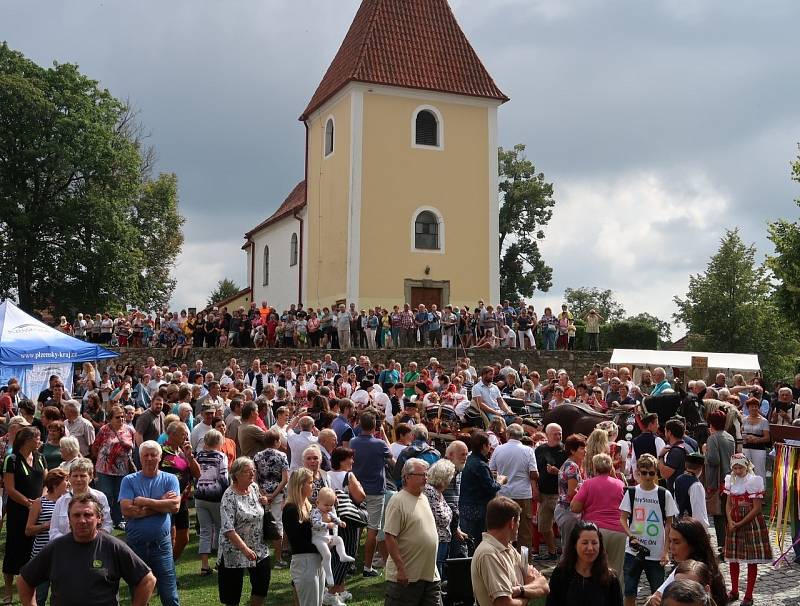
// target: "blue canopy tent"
[[32, 351]]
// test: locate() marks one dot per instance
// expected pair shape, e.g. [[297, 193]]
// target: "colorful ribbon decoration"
[[785, 493]]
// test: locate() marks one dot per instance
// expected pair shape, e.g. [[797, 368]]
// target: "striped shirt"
[[45, 515]]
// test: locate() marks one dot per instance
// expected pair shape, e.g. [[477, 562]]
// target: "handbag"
[[354, 515], [271, 532]]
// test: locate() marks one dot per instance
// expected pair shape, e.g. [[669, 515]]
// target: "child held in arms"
[[324, 532]]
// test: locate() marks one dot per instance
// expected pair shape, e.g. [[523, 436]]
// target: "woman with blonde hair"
[[618, 449], [87, 374], [596, 443], [306, 566], [312, 460]]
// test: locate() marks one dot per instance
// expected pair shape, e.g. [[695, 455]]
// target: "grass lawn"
[[195, 590]]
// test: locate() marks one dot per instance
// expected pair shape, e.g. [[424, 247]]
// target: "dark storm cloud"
[[660, 123]]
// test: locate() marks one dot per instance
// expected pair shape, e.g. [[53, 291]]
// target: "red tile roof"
[[408, 43], [294, 201]]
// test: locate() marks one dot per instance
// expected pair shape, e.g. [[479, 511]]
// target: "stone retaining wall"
[[576, 363]]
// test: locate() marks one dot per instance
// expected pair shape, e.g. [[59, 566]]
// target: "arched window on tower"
[[329, 137], [427, 128], [293, 251], [426, 231], [266, 265]]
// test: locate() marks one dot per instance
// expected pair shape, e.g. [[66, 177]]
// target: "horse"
[[579, 418], [665, 405]]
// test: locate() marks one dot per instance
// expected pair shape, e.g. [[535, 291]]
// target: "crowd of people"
[[296, 464], [339, 327]]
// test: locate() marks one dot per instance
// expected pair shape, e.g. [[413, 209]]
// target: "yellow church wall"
[[328, 190], [399, 178]]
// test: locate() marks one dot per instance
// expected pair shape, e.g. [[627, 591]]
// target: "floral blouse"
[[570, 470], [442, 513], [317, 484], [114, 449], [270, 464], [245, 515]]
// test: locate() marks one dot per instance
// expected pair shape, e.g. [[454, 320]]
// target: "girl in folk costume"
[[747, 538]]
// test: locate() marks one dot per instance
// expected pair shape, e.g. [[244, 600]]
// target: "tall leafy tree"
[[582, 300], [662, 327], [74, 188], [526, 207], [785, 263], [729, 308], [225, 288]]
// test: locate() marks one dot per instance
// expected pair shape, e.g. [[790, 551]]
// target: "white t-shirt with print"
[[647, 525]]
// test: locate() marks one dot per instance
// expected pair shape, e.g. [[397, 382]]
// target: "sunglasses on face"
[[643, 472]]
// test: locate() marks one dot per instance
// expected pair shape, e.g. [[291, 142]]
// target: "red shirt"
[[6, 405]]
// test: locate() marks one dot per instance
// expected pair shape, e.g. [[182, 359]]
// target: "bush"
[[628, 334]]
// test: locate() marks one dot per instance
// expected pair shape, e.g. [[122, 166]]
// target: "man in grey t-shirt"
[[86, 565]]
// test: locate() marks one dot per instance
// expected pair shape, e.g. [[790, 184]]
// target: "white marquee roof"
[[683, 359]]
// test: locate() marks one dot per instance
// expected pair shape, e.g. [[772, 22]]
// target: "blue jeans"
[[157, 555], [652, 569], [442, 553], [507, 418], [550, 337], [109, 486]]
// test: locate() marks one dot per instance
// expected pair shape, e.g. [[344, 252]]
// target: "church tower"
[[401, 177]]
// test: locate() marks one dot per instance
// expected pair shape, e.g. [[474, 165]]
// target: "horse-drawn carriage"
[[444, 425]]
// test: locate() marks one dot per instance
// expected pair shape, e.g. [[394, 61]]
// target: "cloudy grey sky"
[[661, 123]]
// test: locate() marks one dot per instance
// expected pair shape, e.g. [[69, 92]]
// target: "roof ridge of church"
[[294, 201], [406, 43]]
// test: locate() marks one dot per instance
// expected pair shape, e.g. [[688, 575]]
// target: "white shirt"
[[647, 524], [487, 393], [198, 433], [298, 442], [82, 430], [59, 523], [697, 498], [515, 461], [396, 448], [153, 385]]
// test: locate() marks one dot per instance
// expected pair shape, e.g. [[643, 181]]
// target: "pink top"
[[600, 496]]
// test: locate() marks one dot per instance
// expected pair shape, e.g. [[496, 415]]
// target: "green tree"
[[785, 263], [225, 289], [526, 207], [74, 183], [582, 300], [662, 327], [729, 308], [628, 334]]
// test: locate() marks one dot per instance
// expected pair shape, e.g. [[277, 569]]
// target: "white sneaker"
[[332, 599], [345, 596]]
